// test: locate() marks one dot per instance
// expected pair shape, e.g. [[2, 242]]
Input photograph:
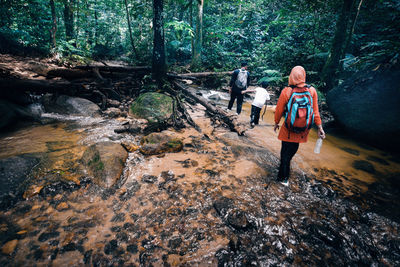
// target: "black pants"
[[239, 97], [288, 150], [255, 114]]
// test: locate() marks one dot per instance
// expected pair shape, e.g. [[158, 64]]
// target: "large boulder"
[[72, 106], [14, 172], [105, 162], [156, 108], [11, 113], [367, 105]]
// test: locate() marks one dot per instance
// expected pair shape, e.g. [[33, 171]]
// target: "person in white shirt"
[[259, 101]]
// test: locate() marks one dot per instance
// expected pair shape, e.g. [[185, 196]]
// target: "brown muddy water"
[[215, 203]]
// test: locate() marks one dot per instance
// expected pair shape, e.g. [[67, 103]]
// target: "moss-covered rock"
[[156, 108], [158, 143], [105, 162]]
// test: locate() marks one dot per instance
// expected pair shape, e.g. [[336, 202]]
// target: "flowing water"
[[213, 203]]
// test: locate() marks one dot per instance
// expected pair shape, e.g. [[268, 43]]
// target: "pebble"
[[9, 247], [62, 206]]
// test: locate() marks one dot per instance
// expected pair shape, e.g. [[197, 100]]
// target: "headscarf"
[[297, 76]]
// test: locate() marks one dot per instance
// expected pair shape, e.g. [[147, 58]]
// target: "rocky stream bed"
[[212, 201]]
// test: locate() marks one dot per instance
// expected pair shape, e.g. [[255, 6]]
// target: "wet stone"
[[133, 248], [87, 256], [223, 205], [174, 242], [9, 247], [119, 217], [350, 151], [238, 220], [364, 166], [122, 236], [378, 160], [116, 229], [151, 179], [46, 236]]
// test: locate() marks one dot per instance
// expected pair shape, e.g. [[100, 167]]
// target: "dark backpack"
[[241, 79], [299, 110]]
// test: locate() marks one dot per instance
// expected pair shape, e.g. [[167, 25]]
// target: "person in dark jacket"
[[239, 82]]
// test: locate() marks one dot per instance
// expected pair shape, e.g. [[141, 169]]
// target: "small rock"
[[9, 247], [113, 103], [238, 220], [32, 191], [364, 165], [112, 112], [130, 147], [174, 242], [62, 206], [151, 179]]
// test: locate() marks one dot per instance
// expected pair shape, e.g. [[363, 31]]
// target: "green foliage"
[[273, 36]]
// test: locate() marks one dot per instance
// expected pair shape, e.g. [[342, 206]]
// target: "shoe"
[[284, 181], [237, 114], [252, 125]]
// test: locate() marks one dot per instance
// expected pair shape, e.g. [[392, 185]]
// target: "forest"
[[117, 147], [331, 39]]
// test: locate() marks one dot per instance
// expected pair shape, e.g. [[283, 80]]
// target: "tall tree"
[[69, 19], [198, 41], [130, 30], [332, 65], [159, 67], [53, 29]]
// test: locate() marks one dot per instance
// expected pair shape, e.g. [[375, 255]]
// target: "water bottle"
[[318, 144]]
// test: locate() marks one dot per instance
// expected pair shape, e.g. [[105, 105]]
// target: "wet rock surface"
[[214, 203], [105, 162], [350, 104], [72, 105]]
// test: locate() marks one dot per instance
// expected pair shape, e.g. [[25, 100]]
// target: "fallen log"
[[69, 74], [39, 86], [115, 68], [180, 77], [230, 120], [204, 74]]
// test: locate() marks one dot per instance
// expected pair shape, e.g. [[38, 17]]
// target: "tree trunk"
[[96, 34], [191, 24], [69, 19], [332, 65], [53, 30], [130, 30], [159, 67], [198, 41], [353, 25]]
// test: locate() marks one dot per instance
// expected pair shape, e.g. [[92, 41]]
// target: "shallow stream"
[[214, 203]]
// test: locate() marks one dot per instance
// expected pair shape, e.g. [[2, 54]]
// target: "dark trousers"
[[288, 150], [255, 114], [239, 103]]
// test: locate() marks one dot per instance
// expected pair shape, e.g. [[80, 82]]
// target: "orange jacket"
[[297, 77]]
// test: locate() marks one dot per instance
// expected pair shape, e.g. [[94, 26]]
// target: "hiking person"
[[239, 82], [259, 101], [300, 102]]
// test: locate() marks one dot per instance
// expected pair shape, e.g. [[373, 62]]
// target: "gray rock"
[[367, 105], [112, 112], [14, 171], [11, 113], [72, 106], [105, 162]]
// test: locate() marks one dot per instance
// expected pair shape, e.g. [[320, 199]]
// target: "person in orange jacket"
[[290, 140]]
